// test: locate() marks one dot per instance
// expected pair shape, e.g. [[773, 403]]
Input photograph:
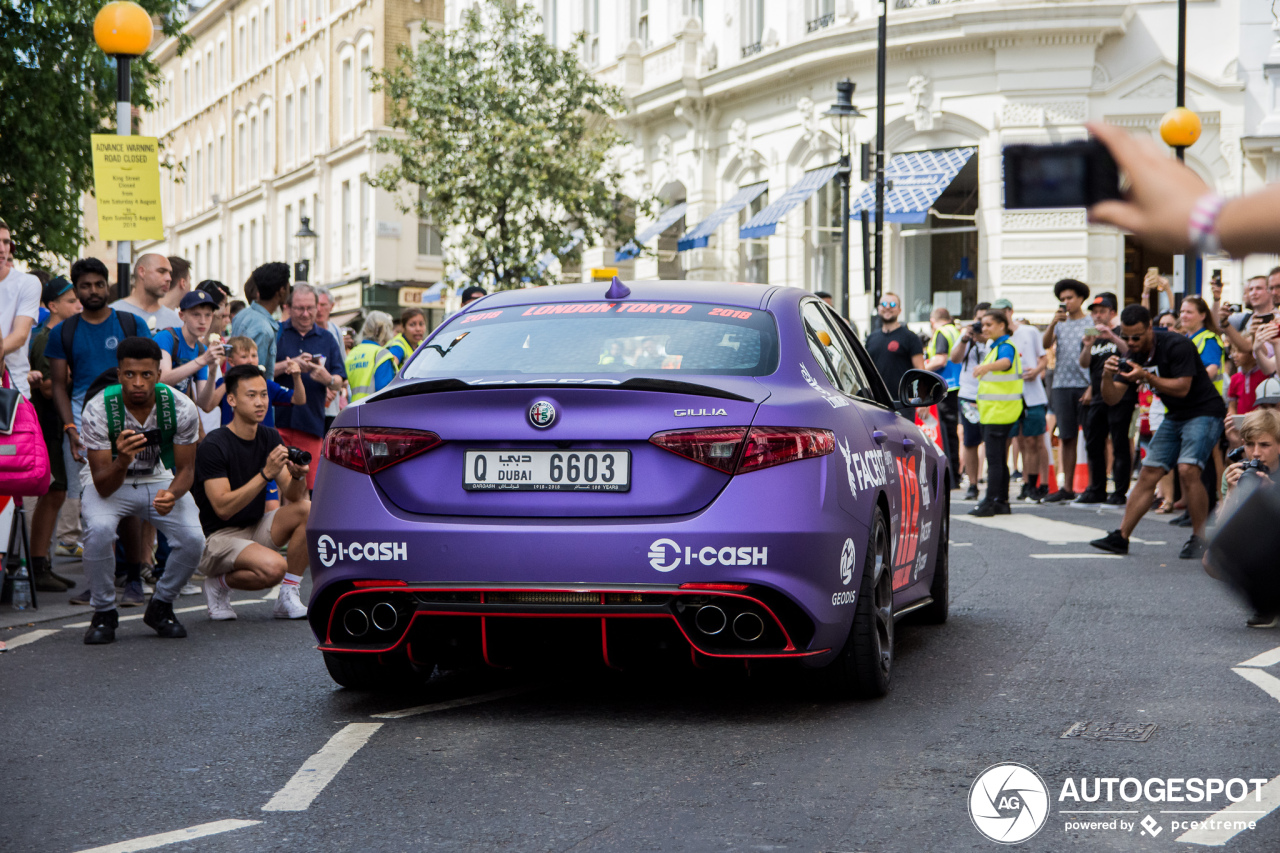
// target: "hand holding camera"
[[129, 444]]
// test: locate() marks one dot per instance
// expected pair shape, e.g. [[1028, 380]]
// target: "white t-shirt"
[[147, 466], [974, 355], [1030, 347], [157, 321], [19, 297]]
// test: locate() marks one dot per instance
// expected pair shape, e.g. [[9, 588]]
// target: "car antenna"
[[617, 290]]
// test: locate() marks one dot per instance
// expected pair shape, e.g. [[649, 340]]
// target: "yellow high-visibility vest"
[[360, 369], [1201, 338], [388, 354], [1000, 393]]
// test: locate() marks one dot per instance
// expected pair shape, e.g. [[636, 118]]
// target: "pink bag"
[[24, 458]]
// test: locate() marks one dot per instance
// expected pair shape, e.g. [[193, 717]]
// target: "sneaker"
[[972, 494], [159, 616], [1041, 493], [73, 549], [149, 574], [1090, 496], [1112, 542], [1193, 550], [217, 599], [189, 589], [1117, 499], [1026, 492], [288, 606], [1060, 497], [81, 598], [132, 596], [1260, 620], [988, 508], [102, 629]]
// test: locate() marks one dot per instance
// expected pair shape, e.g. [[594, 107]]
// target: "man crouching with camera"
[[1255, 465], [233, 467]]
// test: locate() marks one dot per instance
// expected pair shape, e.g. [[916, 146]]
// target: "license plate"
[[547, 471]]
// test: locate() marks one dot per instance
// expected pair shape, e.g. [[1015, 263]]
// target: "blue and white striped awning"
[[766, 221], [918, 179], [664, 221], [546, 259], [700, 234]]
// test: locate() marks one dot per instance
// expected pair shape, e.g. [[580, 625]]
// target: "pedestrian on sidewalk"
[[1066, 332], [151, 280], [1000, 403], [894, 348], [1103, 420], [1169, 363], [969, 352], [1029, 430]]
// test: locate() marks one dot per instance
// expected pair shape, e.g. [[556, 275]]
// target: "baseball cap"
[[1104, 300], [1002, 305], [1269, 391], [55, 288], [196, 298]]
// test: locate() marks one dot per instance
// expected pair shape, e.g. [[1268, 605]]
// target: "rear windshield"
[[602, 337]]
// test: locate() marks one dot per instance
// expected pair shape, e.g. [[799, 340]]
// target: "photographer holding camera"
[[1255, 465], [245, 542], [969, 352]]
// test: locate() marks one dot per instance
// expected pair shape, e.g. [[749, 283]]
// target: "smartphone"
[[226, 349], [1062, 306], [152, 436], [1068, 174], [1266, 318], [1090, 332]]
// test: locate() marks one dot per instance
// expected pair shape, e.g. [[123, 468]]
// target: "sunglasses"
[[888, 305], [1133, 339]]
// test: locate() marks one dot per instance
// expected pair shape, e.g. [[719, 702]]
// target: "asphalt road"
[[104, 745]]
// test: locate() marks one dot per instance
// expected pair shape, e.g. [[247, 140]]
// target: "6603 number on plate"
[[547, 471]]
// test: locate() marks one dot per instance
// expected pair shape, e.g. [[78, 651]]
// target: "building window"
[[242, 257], [268, 35], [242, 153], [640, 22], [348, 84], [253, 42], [346, 225], [819, 14], [316, 227], [199, 177], [366, 86], [822, 239], [591, 25], [208, 174], [268, 154], [253, 243], [320, 142], [288, 233], [366, 218], [693, 9], [241, 57], [187, 178], [549, 20], [753, 255], [196, 262], [222, 63], [210, 88], [196, 72], [304, 109], [289, 151], [429, 242], [752, 18], [253, 149], [186, 91]]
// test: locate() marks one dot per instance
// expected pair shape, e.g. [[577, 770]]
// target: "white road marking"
[[191, 609], [1034, 527], [319, 770], [1242, 812], [29, 637], [1265, 659], [150, 841], [961, 544], [452, 703], [1268, 682], [1075, 556]]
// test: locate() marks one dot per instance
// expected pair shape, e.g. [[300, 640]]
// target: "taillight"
[[716, 448], [373, 449], [737, 450]]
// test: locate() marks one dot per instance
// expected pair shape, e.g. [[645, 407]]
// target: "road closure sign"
[[126, 181]]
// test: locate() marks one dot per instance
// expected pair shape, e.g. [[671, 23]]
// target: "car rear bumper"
[[787, 552]]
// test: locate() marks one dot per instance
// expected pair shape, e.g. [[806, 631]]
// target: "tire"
[[373, 673], [940, 587], [864, 667]]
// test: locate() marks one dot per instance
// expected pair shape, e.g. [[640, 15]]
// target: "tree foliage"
[[509, 139], [58, 89]]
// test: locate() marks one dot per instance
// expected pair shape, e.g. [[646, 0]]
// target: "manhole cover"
[[1133, 732]]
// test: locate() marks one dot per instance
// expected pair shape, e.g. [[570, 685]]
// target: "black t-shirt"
[[225, 454], [1175, 356], [1100, 350], [892, 353]]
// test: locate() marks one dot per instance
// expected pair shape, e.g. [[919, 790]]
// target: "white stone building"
[[726, 95]]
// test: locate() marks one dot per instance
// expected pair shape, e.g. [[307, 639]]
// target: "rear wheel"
[[940, 587], [374, 673], [864, 667]]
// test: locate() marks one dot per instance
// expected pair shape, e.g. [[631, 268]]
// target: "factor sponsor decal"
[[331, 551], [666, 555], [834, 400], [865, 469]]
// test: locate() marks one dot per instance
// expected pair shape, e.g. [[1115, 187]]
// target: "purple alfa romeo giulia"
[[652, 474]]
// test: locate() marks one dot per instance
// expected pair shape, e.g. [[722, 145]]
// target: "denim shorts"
[[1032, 422], [1188, 442]]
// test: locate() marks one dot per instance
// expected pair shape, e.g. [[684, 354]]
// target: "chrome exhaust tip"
[[355, 622], [710, 619], [384, 616], [748, 627]]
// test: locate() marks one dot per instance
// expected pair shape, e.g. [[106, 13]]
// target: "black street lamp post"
[[306, 240], [842, 113]]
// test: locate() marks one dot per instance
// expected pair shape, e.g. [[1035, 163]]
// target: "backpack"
[[24, 457], [176, 362], [128, 325]]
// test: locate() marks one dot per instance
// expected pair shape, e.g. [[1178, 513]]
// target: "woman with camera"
[[999, 408]]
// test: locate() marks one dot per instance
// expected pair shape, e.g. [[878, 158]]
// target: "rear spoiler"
[[637, 383]]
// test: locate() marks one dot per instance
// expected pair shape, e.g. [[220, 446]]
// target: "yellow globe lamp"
[[122, 29], [1180, 128]]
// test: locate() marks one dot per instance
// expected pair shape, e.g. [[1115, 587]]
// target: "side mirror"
[[921, 388]]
